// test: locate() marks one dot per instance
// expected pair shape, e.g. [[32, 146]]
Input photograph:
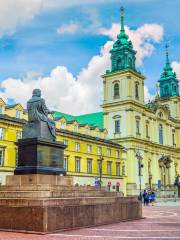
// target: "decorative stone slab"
[[38, 179]]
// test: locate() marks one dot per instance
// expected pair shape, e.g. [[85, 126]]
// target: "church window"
[[160, 134], [137, 127], [116, 90], [137, 90], [175, 89], [117, 126]]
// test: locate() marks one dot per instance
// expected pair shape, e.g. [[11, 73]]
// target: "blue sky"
[[36, 46]]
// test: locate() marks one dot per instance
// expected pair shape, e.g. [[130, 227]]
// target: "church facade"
[[149, 132], [129, 143]]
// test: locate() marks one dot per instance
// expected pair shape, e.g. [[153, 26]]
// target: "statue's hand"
[[50, 112]]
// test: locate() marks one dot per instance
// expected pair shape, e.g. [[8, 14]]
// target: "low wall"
[[59, 214], [40, 203]]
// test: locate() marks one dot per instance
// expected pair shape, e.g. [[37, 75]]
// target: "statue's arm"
[[45, 109]]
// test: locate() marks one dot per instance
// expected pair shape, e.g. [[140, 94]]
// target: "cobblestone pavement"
[[160, 222]]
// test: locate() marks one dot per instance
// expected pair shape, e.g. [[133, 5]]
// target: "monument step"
[[57, 202], [55, 194], [48, 187]]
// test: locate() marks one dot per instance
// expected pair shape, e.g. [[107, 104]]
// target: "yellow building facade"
[[89, 156]]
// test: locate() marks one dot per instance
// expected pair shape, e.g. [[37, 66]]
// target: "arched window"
[[116, 90], [166, 90], [160, 134], [175, 88], [137, 91], [117, 126]]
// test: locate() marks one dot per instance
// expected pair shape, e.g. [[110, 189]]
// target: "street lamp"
[[140, 166], [100, 170]]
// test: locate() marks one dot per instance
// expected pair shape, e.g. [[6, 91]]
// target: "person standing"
[[152, 197], [144, 199], [147, 199]]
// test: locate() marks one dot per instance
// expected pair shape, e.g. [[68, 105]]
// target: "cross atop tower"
[[122, 19], [167, 54]]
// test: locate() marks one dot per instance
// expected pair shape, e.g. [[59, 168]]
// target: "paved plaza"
[[160, 222]]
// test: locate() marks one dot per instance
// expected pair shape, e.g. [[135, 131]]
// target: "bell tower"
[[168, 83], [122, 53], [123, 85], [169, 89]]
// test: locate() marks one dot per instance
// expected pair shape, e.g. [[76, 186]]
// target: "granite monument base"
[[44, 204], [40, 156]]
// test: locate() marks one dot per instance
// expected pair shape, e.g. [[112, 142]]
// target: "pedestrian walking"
[[146, 199], [152, 198], [144, 194]]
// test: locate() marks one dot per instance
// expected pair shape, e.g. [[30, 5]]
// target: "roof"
[[105, 141], [13, 119], [93, 119]]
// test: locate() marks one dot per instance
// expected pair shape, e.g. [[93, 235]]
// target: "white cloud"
[[176, 68], [143, 38], [68, 28], [13, 13], [17, 12], [83, 93], [90, 26], [147, 95]]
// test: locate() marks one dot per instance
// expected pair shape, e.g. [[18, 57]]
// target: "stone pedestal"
[[37, 129], [40, 156], [48, 203]]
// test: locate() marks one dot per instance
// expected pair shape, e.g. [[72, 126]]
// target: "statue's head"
[[36, 92]]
